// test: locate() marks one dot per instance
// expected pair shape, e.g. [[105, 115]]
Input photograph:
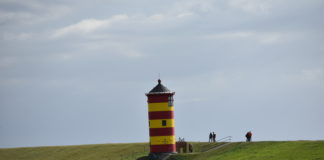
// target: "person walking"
[[248, 136], [210, 137], [214, 137]]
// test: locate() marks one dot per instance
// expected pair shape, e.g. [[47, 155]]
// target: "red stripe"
[[162, 131], [163, 148], [158, 98], [161, 115]]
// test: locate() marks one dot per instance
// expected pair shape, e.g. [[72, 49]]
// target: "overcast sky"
[[76, 72]]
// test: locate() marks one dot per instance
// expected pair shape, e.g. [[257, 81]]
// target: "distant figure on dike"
[[190, 148], [210, 137], [214, 137], [248, 136]]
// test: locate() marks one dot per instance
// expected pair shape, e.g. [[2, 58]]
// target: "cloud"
[[16, 36], [30, 12], [193, 6], [171, 17], [89, 25], [123, 22], [251, 6], [305, 77], [260, 37], [221, 55]]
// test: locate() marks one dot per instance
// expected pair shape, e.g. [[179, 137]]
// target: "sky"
[[76, 72]]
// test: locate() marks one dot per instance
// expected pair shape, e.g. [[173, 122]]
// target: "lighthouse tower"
[[161, 121]]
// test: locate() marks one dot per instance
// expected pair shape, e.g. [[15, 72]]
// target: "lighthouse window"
[[170, 101], [164, 123]]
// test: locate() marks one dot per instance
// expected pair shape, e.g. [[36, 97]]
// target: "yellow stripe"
[[158, 140], [159, 107], [158, 123]]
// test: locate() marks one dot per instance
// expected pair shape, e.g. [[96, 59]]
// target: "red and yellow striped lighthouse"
[[161, 120]]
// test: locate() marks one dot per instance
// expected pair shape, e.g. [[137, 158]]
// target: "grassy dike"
[[285, 150], [126, 151]]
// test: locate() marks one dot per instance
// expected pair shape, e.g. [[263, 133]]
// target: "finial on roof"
[[160, 89]]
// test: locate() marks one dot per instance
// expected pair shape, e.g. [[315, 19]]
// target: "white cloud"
[[173, 16], [185, 14], [123, 21], [193, 6], [112, 48], [7, 16], [304, 77], [230, 35], [16, 36], [260, 37], [251, 6], [99, 49], [157, 17], [31, 12], [88, 25]]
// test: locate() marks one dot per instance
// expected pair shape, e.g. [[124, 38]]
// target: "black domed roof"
[[159, 88]]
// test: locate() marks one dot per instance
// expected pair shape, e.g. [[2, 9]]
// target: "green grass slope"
[[129, 151], [287, 150]]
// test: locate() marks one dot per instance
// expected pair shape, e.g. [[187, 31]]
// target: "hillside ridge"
[[263, 150]]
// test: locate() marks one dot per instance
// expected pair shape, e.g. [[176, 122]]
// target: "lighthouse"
[[161, 121]]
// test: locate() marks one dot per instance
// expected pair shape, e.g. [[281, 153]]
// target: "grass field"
[[125, 151], [286, 150]]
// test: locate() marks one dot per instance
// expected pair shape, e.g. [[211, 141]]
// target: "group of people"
[[212, 137]]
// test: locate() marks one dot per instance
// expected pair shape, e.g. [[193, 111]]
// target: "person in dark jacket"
[[214, 137], [190, 148], [210, 137], [248, 136]]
